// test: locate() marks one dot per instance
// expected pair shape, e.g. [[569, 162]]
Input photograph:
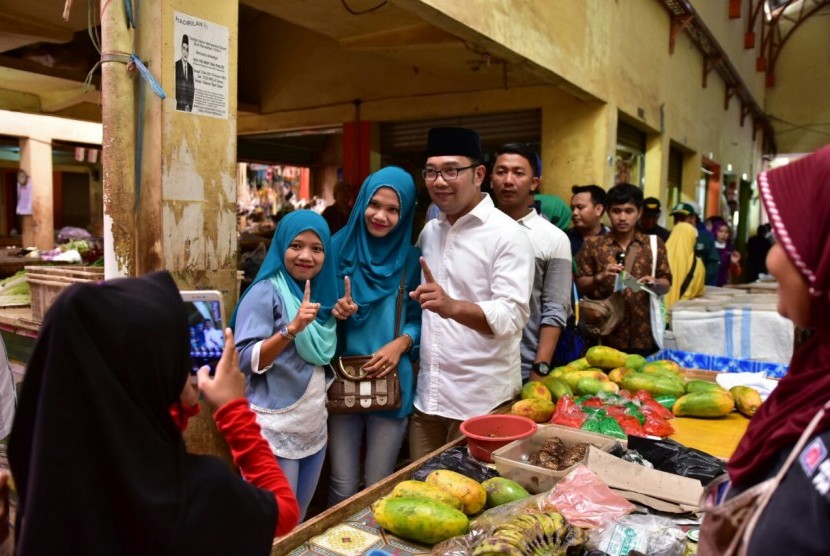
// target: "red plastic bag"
[[629, 423], [592, 402], [568, 414], [651, 407], [656, 426]]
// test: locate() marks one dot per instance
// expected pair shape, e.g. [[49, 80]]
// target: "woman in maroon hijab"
[[796, 519]]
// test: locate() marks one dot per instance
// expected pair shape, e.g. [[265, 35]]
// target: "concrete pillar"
[[577, 141], [657, 166], [36, 160], [118, 153], [357, 151], [186, 219]]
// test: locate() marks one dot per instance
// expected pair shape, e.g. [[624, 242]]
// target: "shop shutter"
[[675, 167], [631, 138], [494, 129]]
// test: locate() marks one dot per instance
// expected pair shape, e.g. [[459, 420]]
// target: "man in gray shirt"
[[514, 180]]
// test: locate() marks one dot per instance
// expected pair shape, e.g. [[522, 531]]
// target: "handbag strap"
[[652, 240], [685, 285], [399, 306], [767, 496]]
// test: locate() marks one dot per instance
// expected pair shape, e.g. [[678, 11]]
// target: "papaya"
[[558, 388], [587, 386], [609, 387], [663, 364], [703, 386], [579, 364], [535, 409], [557, 372], [704, 404], [635, 362], [655, 385], [501, 490], [747, 399], [420, 489], [420, 519], [605, 357], [616, 375], [472, 495], [535, 390], [572, 377]]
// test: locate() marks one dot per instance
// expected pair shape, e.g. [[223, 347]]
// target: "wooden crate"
[[47, 282]]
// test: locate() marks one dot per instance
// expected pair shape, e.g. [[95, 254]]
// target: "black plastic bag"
[[456, 459], [671, 456]]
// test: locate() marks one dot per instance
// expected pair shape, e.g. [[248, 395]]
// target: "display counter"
[[349, 528]]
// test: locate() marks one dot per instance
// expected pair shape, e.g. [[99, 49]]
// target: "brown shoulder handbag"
[[352, 391], [727, 527], [599, 317]]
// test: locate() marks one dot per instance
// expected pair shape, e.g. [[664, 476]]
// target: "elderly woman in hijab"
[[688, 270], [788, 439], [375, 259], [98, 461], [286, 336]]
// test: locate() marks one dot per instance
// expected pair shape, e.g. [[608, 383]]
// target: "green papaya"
[[747, 399], [616, 375], [501, 490], [662, 365], [420, 519], [579, 364], [535, 409], [558, 388], [703, 386], [605, 357], [573, 377], [588, 386], [635, 362], [420, 489], [655, 385], [704, 404], [535, 389]]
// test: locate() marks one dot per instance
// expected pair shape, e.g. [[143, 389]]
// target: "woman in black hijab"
[[99, 464]]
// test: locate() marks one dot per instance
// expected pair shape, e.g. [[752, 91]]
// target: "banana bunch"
[[532, 534]]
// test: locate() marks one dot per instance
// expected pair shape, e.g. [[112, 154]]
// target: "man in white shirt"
[[515, 181], [478, 272]]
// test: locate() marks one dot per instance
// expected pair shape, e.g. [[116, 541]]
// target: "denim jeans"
[[302, 475], [384, 436]]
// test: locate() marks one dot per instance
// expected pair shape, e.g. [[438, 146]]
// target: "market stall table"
[[349, 528]]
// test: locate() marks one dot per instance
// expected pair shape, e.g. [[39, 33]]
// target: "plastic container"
[[488, 433], [512, 460]]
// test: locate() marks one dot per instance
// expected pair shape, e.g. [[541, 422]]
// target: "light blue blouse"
[[261, 314]]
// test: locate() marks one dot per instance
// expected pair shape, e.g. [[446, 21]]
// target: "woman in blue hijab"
[[286, 336], [374, 251]]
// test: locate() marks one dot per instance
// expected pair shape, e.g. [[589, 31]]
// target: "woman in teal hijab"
[[286, 336], [374, 251]]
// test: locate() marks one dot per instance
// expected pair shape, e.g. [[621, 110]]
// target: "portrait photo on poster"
[[201, 68]]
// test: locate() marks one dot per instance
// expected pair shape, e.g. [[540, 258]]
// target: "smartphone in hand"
[[206, 322]]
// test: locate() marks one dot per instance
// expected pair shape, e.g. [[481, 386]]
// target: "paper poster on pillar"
[[201, 66]]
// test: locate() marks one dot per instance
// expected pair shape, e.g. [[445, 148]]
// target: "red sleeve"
[[253, 456], [182, 418]]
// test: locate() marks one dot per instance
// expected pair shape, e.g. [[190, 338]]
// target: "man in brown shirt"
[[602, 258]]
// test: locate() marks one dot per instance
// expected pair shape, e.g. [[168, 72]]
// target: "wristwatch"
[[285, 333], [541, 369]]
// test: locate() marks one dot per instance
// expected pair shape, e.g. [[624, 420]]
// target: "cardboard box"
[[656, 489], [512, 460]]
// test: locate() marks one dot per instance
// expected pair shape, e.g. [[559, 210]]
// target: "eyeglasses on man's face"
[[449, 174]]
